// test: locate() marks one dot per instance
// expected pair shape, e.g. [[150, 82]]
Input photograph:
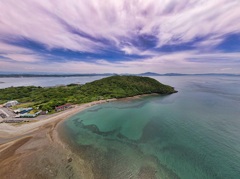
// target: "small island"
[[47, 99]]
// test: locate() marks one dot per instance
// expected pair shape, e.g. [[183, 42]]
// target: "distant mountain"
[[157, 74], [175, 74], [20, 75], [182, 74], [149, 74], [54, 75]]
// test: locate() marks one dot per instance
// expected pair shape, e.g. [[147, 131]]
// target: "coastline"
[[10, 131], [40, 141]]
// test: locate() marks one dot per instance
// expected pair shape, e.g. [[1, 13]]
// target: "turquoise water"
[[192, 134]]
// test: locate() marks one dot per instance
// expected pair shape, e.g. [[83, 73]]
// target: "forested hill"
[[125, 86], [106, 88]]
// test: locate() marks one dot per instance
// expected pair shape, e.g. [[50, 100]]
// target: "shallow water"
[[191, 134]]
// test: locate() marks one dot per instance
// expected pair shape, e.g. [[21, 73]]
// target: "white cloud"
[[6, 48], [30, 58], [55, 24], [117, 20], [164, 63]]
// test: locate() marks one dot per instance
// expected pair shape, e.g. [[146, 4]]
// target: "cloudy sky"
[[122, 36]]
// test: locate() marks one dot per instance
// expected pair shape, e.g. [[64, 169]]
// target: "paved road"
[[4, 112]]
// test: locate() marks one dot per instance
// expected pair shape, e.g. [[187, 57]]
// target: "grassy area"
[[33, 111], [24, 105]]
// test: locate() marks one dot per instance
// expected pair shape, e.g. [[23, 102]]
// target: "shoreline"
[[10, 131], [39, 142], [35, 150]]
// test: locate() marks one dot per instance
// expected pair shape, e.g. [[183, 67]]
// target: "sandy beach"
[[34, 150]]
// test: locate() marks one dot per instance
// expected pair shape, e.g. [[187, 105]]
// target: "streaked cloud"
[[123, 36]]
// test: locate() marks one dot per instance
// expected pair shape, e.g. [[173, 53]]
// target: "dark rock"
[[69, 160]]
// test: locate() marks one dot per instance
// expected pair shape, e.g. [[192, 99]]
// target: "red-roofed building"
[[63, 107]]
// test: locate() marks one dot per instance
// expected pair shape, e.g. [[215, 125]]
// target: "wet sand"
[[34, 150]]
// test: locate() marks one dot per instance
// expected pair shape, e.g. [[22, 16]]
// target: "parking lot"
[[7, 115]]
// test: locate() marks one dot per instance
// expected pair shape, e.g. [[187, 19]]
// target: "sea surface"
[[45, 81], [193, 134]]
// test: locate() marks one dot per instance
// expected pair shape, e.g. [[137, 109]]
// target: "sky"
[[120, 36]]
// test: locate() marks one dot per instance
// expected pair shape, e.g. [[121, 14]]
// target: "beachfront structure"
[[44, 113], [28, 115], [63, 107], [10, 104], [22, 110]]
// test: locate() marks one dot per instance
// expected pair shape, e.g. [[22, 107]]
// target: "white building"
[[10, 103]]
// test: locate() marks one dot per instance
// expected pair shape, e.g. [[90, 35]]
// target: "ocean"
[[193, 134], [45, 81]]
